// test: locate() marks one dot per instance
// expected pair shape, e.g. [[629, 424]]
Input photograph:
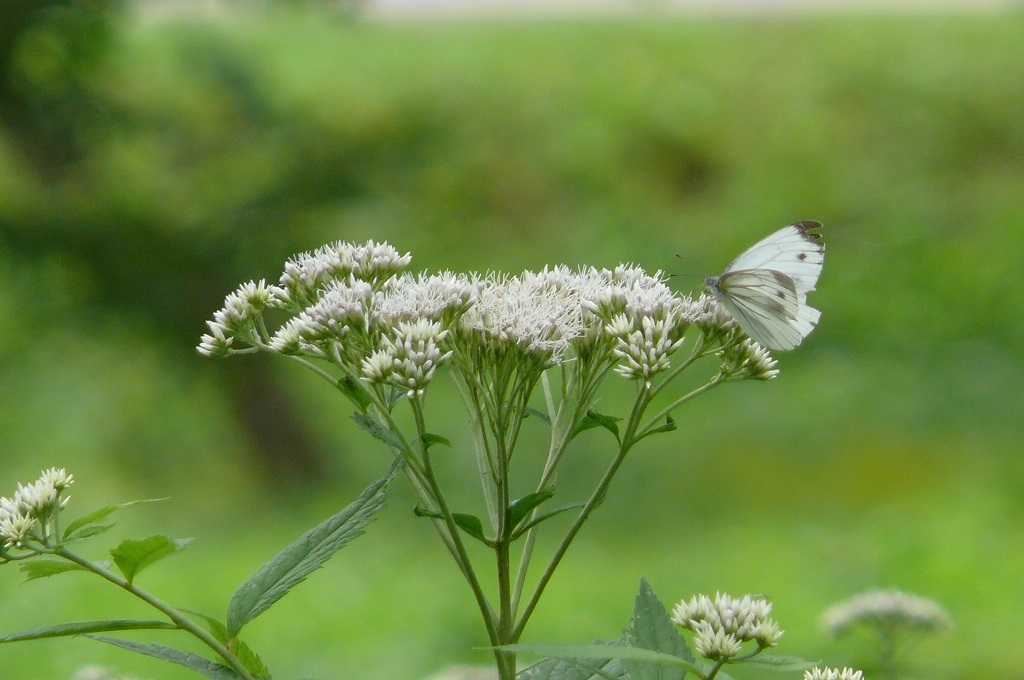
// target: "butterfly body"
[[765, 288]]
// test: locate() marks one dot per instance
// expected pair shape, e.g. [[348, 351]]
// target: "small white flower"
[[744, 358], [645, 351], [833, 674], [15, 527], [306, 274], [889, 608], [37, 498], [409, 356], [539, 313], [744, 619], [259, 296], [216, 343], [439, 297], [58, 477], [340, 311], [715, 643]]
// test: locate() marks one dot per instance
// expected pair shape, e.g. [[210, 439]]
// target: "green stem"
[[179, 619], [595, 499], [459, 548], [656, 419]]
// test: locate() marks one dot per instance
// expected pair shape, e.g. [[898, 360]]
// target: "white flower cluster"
[[747, 359], [833, 674], [352, 305], [892, 609], [409, 355], [722, 625], [31, 505]]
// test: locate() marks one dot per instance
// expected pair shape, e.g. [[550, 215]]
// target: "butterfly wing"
[[767, 305], [796, 251]]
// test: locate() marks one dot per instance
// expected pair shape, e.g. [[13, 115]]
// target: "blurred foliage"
[[174, 158]]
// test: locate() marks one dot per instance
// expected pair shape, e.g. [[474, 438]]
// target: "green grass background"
[[887, 454]]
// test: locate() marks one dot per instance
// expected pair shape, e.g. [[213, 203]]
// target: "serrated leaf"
[[574, 669], [602, 652], [292, 565], [242, 651], [132, 556], [189, 660], [86, 627], [594, 419], [96, 516], [435, 439], [651, 628], [216, 628], [519, 509], [250, 659], [352, 389], [776, 662], [376, 429]]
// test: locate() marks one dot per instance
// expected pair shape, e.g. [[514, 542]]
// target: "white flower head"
[[833, 674], [744, 619], [644, 346], [341, 310], [237, 317], [307, 274], [538, 312], [747, 359], [32, 503], [440, 297], [409, 356], [715, 643], [892, 609], [37, 498], [58, 477], [15, 528], [630, 290]]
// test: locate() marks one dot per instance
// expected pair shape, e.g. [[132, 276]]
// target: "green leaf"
[[250, 659], [189, 660], [376, 429], [86, 627], [651, 628], [540, 518], [518, 510], [669, 426], [242, 651], [434, 439], [602, 652], [777, 662], [44, 568], [594, 419], [132, 556], [293, 564], [216, 628], [471, 524], [355, 391], [574, 669], [82, 526]]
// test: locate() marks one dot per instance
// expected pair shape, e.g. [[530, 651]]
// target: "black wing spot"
[[802, 256]]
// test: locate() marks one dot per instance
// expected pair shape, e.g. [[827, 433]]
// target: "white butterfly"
[[765, 288]]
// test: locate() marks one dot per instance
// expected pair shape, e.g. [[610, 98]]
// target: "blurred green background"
[[149, 163]]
